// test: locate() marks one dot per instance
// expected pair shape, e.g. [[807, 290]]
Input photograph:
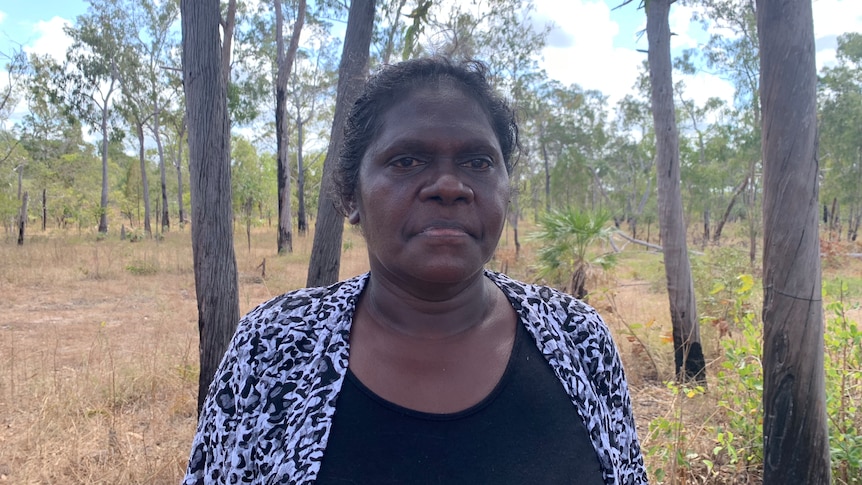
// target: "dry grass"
[[98, 347], [98, 351]]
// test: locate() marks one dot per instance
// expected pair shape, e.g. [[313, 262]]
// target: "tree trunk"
[[688, 353], [145, 181], [795, 431], [22, 217], [44, 209], [705, 227], [227, 24], [181, 128], [301, 219], [209, 170], [716, 236], [547, 166], [285, 64], [166, 218], [326, 250], [103, 203]]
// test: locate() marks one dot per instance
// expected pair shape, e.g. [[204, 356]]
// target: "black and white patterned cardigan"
[[268, 413]]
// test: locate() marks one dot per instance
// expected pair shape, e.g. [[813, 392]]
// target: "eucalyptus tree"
[[50, 137], [325, 259], [156, 22], [732, 51], [175, 134], [15, 69], [795, 425], [206, 69], [310, 87], [247, 182], [633, 150], [15, 66], [688, 352], [841, 132], [91, 77], [392, 34], [284, 65]]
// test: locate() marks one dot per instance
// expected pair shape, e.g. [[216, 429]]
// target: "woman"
[[429, 368]]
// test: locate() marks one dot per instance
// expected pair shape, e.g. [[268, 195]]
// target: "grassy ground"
[[98, 348]]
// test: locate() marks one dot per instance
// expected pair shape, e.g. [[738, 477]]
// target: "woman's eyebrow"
[[422, 145]]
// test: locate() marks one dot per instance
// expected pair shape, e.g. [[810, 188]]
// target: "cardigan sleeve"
[[623, 434]]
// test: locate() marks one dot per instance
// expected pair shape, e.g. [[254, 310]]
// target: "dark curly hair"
[[391, 84]]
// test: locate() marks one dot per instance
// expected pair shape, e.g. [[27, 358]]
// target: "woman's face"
[[433, 189]]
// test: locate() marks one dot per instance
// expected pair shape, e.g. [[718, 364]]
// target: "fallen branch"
[[638, 241], [650, 245]]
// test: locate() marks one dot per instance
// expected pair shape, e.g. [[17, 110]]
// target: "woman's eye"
[[406, 162], [479, 163]]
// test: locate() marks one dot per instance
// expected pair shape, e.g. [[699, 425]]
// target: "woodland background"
[[99, 355]]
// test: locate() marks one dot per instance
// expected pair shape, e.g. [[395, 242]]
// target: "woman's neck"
[[449, 312]]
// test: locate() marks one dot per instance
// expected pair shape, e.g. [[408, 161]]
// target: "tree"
[[326, 249], [92, 76], [176, 139], [155, 23], [795, 432], [311, 86], [735, 56], [216, 284], [841, 133], [688, 353], [247, 182], [284, 63]]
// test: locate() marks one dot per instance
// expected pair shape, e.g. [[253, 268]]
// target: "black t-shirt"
[[525, 431]]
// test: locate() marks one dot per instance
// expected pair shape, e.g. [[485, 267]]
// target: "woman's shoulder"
[[301, 315], [535, 294]]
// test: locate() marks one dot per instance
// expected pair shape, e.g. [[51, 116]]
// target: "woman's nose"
[[446, 187]]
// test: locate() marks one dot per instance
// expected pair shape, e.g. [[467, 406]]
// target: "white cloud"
[[2, 16], [685, 31], [51, 39], [583, 52], [834, 17], [581, 48]]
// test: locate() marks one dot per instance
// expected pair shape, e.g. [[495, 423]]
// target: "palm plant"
[[565, 235]]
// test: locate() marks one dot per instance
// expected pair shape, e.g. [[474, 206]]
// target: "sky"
[[592, 44]]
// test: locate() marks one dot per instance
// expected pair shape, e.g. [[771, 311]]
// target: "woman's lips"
[[444, 229]]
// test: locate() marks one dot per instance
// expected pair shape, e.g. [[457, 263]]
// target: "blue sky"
[[592, 45]]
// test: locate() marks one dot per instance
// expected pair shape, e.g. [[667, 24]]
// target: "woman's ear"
[[353, 215]]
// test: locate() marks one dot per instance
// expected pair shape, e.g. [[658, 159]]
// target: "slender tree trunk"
[[688, 353], [209, 168], [145, 180], [103, 203], [705, 227], [227, 24], [22, 217], [285, 64], [389, 45], [716, 236], [301, 219], [44, 209], [179, 166], [547, 167], [752, 213], [795, 430], [20, 170], [166, 218], [326, 250]]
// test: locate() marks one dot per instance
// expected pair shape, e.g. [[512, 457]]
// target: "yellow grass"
[[99, 349]]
